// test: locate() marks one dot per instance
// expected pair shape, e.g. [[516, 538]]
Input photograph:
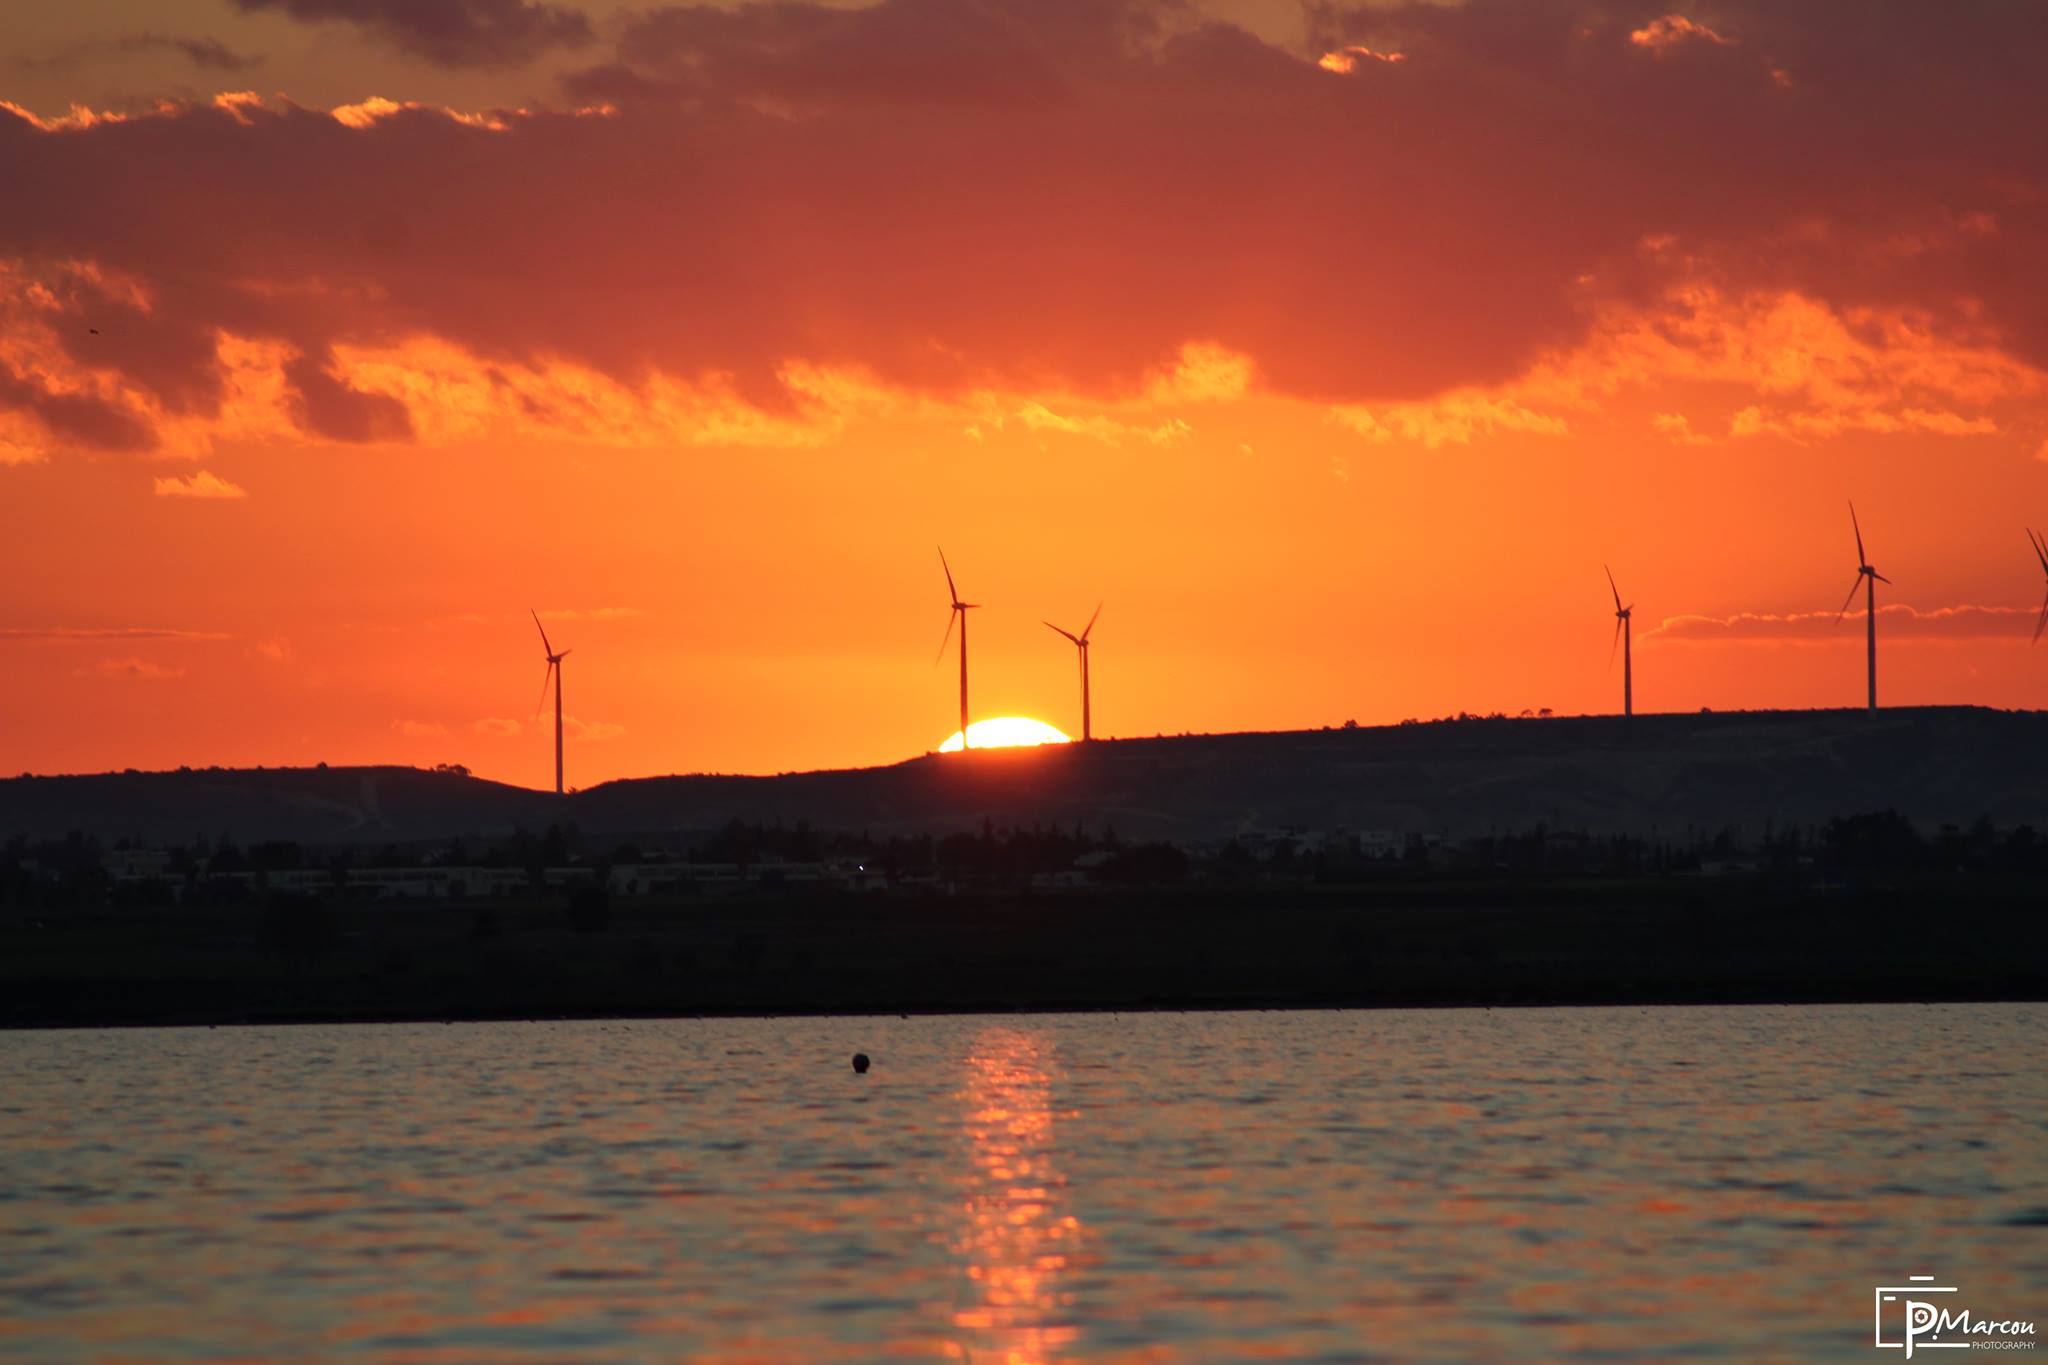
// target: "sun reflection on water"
[[1017, 1241]]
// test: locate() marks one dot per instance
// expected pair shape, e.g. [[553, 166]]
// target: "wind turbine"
[[1081, 644], [1624, 635], [959, 613], [554, 667], [2040, 544], [1868, 578]]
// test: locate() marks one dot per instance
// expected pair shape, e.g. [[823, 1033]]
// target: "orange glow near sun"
[[1006, 732]]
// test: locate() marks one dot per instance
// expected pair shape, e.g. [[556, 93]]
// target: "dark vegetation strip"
[[1500, 942]]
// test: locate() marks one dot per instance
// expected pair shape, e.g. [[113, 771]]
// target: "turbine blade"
[[2042, 624], [1616, 645], [1880, 578], [1611, 588], [546, 675], [952, 593], [1852, 597], [1068, 633], [1090, 626], [2040, 547], [1861, 558], [543, 633], [947, 637]]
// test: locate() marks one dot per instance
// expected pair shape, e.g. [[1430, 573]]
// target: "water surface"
[[1619, 1184]]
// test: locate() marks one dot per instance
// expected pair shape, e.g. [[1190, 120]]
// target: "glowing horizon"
[[1005, 732]]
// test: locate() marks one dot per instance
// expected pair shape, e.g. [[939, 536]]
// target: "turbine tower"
[[1624, 633], [1868, 578], [959, 613], [2040, 545], [555, 668], [1081, 644]]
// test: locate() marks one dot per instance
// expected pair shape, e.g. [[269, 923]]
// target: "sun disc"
[[1005, 732]]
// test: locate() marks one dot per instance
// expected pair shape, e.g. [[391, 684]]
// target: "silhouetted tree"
[[1880, 841], [1146, 864]]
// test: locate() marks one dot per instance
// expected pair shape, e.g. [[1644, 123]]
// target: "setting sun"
[[1005, 732]]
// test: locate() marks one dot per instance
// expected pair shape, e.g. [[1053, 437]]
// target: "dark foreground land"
[[1648, 941], [1745, 857]]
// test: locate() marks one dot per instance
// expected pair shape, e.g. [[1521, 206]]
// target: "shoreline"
[[1069, 1008]]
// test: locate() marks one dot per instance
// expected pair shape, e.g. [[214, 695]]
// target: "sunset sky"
[[1334, 346]]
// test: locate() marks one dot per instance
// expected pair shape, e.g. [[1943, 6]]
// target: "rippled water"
[[1713, 1184]]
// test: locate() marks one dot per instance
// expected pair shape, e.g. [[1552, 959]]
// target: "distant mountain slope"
[[308, 805], [1937, 765], [1598, 773]]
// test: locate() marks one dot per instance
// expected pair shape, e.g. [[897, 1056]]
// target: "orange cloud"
[[1454, 419], [1896, 621], [79, 117], [1036, 417], [1344, 60], [368, 113], [1203, 372], [200, 485], [1678, 427], [1673, 29], [131, 669], [558, 270], [448, 393], [1812, 371]]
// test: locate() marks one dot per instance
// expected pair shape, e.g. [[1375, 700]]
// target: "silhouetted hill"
[[1936, 765], [306, 805], [1457, 777]]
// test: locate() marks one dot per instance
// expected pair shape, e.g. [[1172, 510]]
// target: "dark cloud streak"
[[75, 418], [61, 633], [450, 33], [327, 406], [205, 53]]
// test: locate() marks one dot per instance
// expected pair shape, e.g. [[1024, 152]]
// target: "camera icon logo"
[[1910, 1322]]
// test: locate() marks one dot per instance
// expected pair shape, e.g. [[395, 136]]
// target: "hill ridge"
[[1453, 777]]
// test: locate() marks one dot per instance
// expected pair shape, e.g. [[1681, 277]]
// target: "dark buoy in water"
[[860, 1062]]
